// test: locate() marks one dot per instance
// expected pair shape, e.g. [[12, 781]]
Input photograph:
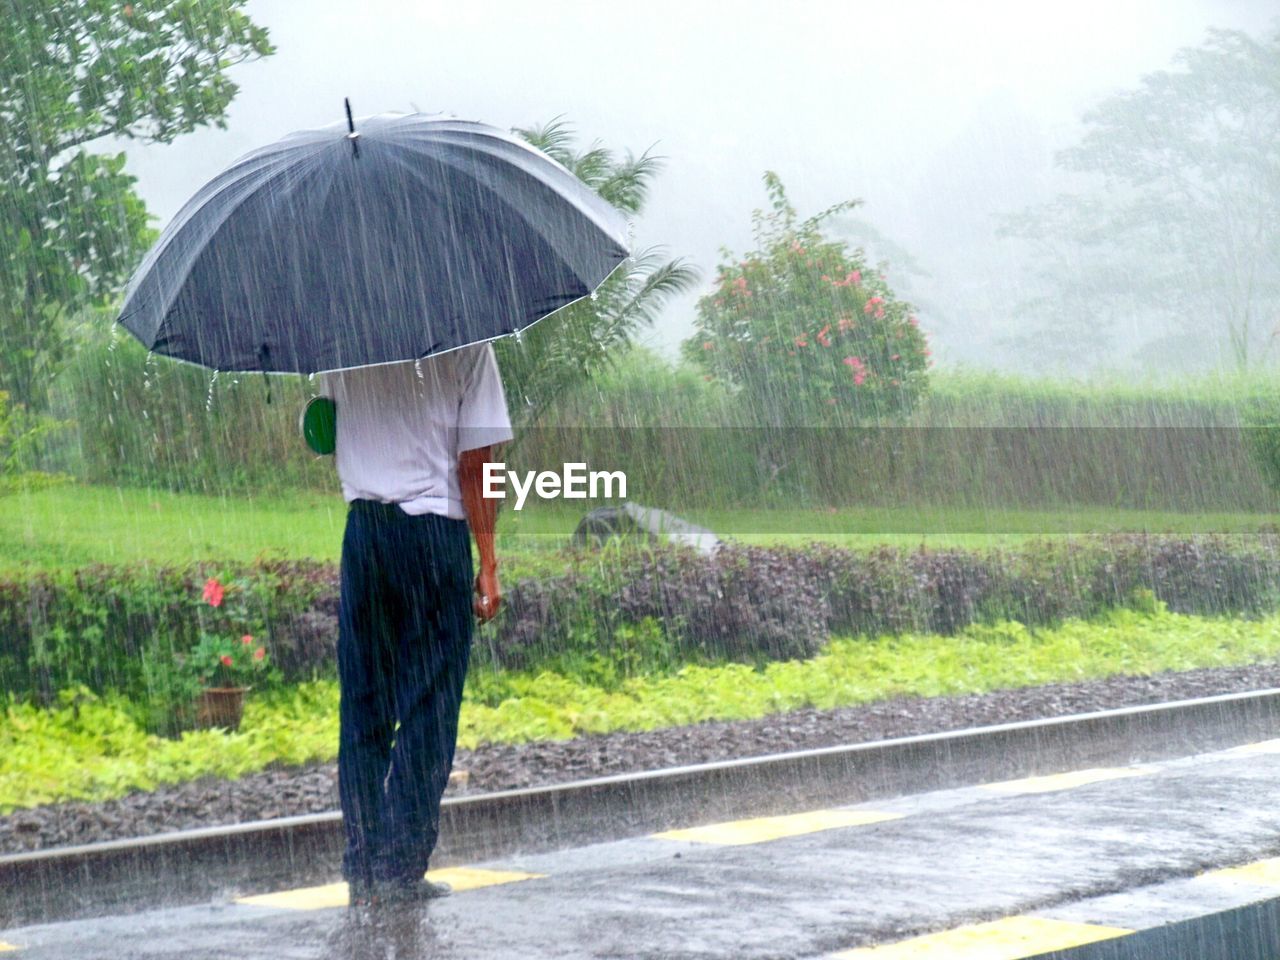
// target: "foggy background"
[[941, 116]]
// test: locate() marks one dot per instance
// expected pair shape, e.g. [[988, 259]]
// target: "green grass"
[[74, 525], [91, 749], [963, 527]]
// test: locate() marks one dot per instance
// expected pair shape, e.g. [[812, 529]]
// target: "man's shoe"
[[416, 890], [411, 891]]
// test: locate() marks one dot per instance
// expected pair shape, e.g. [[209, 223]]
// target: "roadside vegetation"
[[86, 747]]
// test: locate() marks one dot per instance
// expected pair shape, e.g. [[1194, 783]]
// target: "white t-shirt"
[[401, 427]]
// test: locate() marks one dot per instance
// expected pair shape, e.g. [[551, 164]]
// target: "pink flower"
[[213, 592], [708, 345], [246, 639], [740, 287], [852, 279], [795, 246], [896, 356], [259, 653], [875, 304], [822, 336], [801, 342], [913, 321], [858, 367], [846, 323], [226, 659]]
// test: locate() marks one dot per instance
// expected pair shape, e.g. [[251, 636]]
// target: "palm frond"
[[627, 186], [554, 138]]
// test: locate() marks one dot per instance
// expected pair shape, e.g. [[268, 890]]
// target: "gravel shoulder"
[[314, 789]]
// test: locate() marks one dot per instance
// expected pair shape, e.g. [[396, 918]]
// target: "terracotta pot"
[[220, 707]]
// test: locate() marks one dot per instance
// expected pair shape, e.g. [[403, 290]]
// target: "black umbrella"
[[391, 239]]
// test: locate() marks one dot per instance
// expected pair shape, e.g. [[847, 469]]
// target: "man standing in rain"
[[412, 441]]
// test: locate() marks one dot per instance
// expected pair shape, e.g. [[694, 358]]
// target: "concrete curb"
[[198, 865]]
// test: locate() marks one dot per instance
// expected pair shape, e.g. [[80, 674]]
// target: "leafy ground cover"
[[92, 748]]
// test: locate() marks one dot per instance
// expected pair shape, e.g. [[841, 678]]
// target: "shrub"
[[808, 329], [625, 612], [122, 629]]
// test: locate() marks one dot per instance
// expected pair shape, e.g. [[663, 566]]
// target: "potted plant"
[[224, 662]]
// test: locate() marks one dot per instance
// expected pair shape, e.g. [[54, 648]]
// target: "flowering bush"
[[809, 331], [224, 659]]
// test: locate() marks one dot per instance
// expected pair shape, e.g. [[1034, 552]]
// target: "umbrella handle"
[[351, 129]]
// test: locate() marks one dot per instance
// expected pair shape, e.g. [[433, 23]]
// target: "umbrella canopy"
[[408, 236]]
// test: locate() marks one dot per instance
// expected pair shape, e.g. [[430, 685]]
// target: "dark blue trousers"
[[404, 639]]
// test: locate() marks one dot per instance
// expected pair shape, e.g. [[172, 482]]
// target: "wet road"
[[1021, 868]]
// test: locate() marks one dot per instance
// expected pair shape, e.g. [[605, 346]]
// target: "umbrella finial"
[[351, 128]]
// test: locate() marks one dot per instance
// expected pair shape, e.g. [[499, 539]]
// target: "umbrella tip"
[[351, 128]]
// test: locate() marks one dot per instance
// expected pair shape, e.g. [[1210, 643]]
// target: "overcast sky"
[[926, 109]]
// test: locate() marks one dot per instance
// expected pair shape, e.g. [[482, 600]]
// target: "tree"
[[582, 338], [806, 329], [71, 225], [1179, 226]]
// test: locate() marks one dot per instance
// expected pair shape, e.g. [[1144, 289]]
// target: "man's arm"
[[482, 517]]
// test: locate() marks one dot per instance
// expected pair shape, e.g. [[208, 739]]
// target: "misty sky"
[[940, 115]]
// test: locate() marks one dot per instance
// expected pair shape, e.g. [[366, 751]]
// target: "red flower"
[[846, 324], [822, 336], [226, 659], [259, 653], [246, 639], [213, 592], [801, 342]]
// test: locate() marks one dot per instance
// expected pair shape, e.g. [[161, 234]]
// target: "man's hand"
[[488, 594], [482, 517]]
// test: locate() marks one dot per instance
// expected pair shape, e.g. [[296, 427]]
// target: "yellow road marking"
[[1263, 873], [1065, 781], [335, 894], [761, 829], [1012, 938]]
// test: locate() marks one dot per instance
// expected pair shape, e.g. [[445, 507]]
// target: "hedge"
[[624, 612]]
